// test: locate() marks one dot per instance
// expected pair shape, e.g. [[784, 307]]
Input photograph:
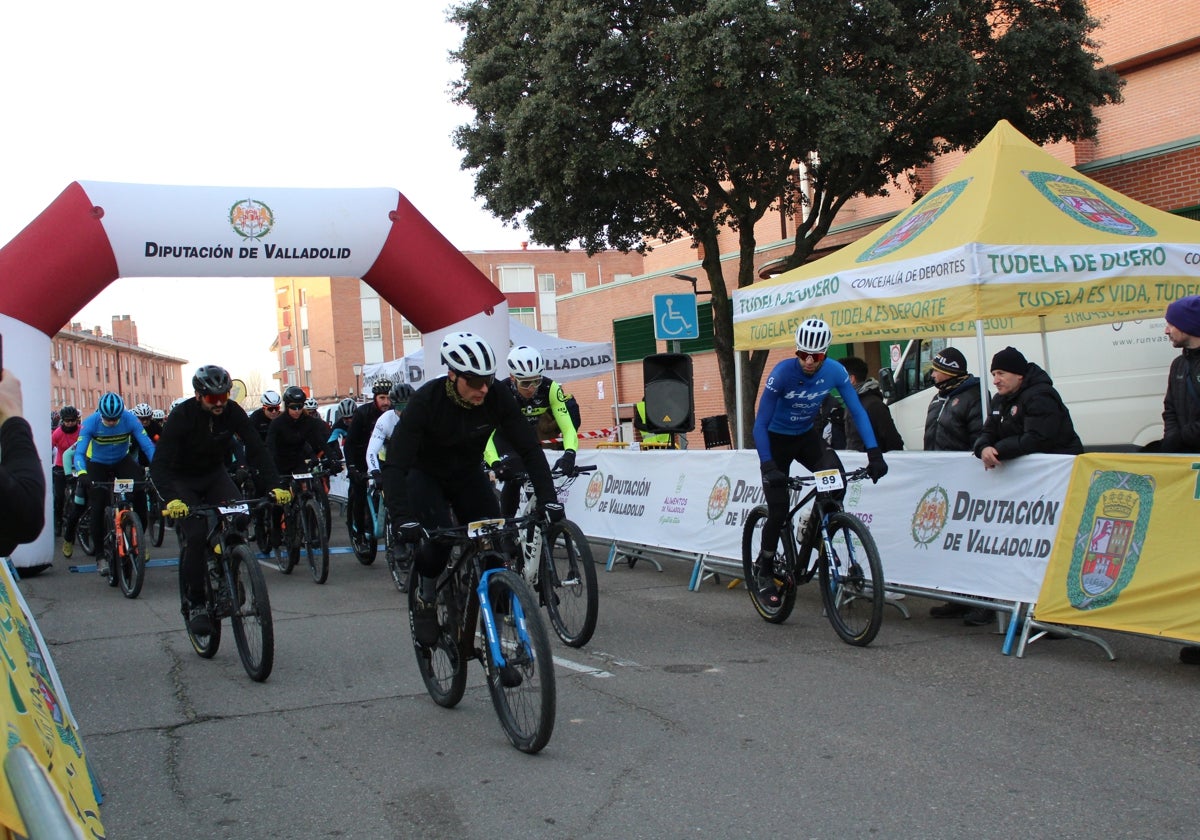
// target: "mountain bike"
[[124, 545], [831, 542], [487, 612], [556, 560], [234, 588], [304, 525], [399, 555]]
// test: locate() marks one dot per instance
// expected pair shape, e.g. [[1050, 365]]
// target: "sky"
[[269, 94]]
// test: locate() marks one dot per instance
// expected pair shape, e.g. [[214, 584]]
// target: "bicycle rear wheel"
[[83, 534], [128, 556], [253, 627], [205, 646], [783, 584], [567, 581], [852, 580], [443, 667], [399, 563], [316, 546], [523, 689], [364, 542]]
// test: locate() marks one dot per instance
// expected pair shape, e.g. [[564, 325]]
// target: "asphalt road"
[[686, 716]]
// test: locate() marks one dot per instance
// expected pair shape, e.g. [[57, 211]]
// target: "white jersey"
[[384, 427]]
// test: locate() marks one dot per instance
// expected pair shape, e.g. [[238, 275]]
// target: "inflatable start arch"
[[95, 232]]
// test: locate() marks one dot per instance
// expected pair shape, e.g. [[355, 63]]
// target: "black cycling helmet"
[[68, 414], [293, 395], [381, 386], [212, 379], [401, 393]]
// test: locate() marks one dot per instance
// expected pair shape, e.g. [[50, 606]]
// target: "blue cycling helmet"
[[111, 406]]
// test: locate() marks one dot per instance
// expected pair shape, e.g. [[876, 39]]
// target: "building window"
[[526, 315], [371, 331], [408, 331], [516, 278], [546, 283], [550, 323], [578, 281]]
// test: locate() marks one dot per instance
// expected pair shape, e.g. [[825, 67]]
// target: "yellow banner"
[[35, 716], [1124, 558]]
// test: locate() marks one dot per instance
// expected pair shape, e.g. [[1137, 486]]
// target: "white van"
[[1112, 377]]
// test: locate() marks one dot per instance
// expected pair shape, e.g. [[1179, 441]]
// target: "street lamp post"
[[357, 374], [333, 361]]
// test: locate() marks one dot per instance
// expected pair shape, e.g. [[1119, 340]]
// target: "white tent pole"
[[1045, 343], [737, 398], [981, 349]]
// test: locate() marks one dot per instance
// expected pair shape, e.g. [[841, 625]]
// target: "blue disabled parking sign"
[[675, 317]]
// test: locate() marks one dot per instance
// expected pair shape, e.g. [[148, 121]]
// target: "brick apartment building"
[[1148, 148], [85, 364], [328, 327]]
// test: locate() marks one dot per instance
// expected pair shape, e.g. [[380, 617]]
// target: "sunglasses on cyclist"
[[477, 382], [271, 409], [216, 399], [810, 357], [295, 406], [529, 382]]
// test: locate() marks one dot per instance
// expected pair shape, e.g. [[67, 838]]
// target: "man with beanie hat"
[[1181, 406], [954, 419], [952, 424], [1027, 414]]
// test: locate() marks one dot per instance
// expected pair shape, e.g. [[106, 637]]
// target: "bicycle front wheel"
[[129, 559], [205, 646], [158, 525], [522, 689], [851, 580], [253, 627], [316, 546], [83, 534], [773, 595], [567, 582], [443, 667], [292, 539]]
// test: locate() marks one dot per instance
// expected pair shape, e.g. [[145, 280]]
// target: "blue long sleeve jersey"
[[109, 444], [791, 401]]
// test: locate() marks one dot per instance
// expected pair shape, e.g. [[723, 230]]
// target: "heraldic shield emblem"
[[1111, 535]]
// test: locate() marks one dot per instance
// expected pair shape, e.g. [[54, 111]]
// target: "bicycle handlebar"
[[800, 482]]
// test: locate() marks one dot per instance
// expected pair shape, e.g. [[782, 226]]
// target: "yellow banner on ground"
[[35, 715], [1124, 558]]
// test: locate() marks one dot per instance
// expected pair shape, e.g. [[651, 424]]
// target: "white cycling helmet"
[[271, 398], [158, 414], [813, 336], [465, 352], [142, 410], [177, 402], [310, 404], [525, 362]]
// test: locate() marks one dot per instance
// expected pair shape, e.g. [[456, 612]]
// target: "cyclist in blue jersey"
[[785, 430], [102, 453]]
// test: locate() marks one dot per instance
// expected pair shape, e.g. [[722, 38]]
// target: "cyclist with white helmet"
[[785, 430], [354, 445], [261, 417], [435, 461], [400, 394], [544, 404], [102, 453]]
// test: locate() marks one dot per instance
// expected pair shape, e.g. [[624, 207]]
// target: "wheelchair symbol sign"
[[675, 317]]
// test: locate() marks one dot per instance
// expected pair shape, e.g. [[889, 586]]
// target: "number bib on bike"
[[122, 485], [483, 526], [828, 481]]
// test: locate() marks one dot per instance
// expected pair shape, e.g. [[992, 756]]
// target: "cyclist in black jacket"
[[354, 445], [435, 460], [191, 466]]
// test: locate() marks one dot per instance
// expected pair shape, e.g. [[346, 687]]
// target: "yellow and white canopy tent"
[[1012, 241]]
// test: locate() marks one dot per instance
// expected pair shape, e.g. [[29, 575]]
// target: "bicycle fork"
[[489, 620]]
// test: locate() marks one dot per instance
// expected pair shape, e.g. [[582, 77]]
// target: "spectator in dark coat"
[[1027, 414], [22, 479], [1181, 406], [871, 397]]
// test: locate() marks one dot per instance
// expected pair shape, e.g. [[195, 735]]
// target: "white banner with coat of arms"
[[941, 521]]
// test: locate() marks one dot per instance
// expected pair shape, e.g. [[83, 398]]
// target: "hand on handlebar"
[[566, 464], [281, 496], [772, 476], [876, 467], [176, 509]]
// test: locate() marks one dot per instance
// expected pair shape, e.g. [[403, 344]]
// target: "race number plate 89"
[[828, 480]]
